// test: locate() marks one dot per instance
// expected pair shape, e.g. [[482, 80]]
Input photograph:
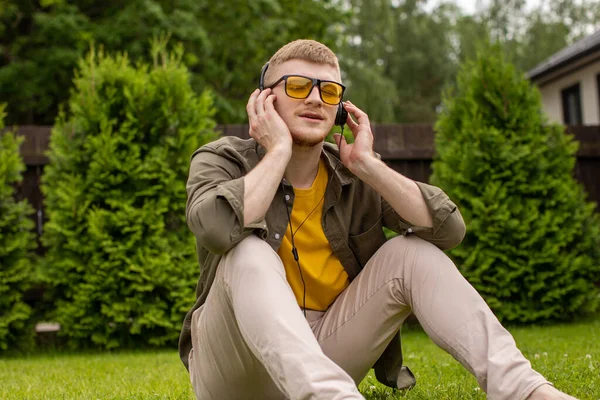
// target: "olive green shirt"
[[354, 215]]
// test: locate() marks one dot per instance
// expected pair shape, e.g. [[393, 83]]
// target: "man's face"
[[309, 120]]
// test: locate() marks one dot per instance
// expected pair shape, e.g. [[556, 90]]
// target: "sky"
[[470, 6]]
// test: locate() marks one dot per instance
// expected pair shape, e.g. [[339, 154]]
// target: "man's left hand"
[[357, 155]]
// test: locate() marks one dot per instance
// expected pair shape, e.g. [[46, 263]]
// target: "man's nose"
[[314, 96]]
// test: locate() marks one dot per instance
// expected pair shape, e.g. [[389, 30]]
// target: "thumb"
[[337, 138]]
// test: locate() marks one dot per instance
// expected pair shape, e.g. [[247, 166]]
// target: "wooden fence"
[[407, 148]]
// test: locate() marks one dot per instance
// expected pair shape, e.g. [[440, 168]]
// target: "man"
[[300, 294]]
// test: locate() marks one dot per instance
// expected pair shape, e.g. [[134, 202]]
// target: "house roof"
[[578, 49]]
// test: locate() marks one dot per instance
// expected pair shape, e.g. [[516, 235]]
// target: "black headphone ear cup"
[[341, 116]]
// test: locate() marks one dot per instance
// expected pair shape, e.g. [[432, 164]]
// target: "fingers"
[[362, 123], [260, 101], [351, 123], [270, 104], [256, 104], [265, 124], [336, 138], [250, 107], [361, 116], [339, 138]]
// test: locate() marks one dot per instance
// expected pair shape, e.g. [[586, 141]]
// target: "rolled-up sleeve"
[[215, 203], [448, 228]]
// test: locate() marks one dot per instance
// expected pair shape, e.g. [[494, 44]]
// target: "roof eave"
[[541, 70]]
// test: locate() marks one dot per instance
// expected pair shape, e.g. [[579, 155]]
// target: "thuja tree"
[[121, 261], [16, 245], [532, 247]]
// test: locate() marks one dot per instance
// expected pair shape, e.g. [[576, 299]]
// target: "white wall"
[[590, 104]]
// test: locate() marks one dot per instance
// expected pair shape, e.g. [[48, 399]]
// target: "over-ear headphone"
[[341, 115]]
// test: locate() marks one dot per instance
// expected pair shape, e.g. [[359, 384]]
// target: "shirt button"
[[277, 236], [287, 197]]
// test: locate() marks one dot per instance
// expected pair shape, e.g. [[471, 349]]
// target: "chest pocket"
[[364, 245]]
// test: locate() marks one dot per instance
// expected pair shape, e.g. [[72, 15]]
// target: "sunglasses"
[[299, 87]]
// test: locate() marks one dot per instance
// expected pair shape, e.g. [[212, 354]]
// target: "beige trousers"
[[251, 340]]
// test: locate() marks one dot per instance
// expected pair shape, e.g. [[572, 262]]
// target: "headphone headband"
[[263, 71]]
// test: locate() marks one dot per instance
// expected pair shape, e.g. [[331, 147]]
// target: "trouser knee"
[[251, 255], [412, 247], [410, 257]]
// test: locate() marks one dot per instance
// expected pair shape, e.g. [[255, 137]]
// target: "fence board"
[[408, 149]]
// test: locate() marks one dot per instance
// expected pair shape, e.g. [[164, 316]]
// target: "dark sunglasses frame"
[[315, 82]]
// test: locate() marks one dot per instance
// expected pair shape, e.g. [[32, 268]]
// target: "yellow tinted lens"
[[331, 92], [298, 87]]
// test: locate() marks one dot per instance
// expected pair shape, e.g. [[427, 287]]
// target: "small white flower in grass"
[[476, 389], [591, 366], [372, 387], [565, 355], [536, 356], [545, 354]]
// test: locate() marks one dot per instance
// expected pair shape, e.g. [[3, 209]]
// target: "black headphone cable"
[[292, 232]]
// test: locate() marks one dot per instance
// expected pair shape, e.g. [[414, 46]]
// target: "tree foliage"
[[530, 35], [16, 242], [532, 247], [399, 55], [226, 43], [121, 263], [396, 56]]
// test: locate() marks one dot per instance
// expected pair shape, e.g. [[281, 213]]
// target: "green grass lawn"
[[568, 355]]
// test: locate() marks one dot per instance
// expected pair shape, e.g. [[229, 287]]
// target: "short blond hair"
[[301, 49]]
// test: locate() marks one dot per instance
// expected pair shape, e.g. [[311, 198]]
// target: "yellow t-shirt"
[[324, 276]]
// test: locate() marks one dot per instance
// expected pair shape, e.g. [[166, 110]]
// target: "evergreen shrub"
[[532, 247], [121, 260], [17, 242]]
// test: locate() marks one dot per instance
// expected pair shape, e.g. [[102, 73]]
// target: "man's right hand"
[[266, 126], [270, 131]]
